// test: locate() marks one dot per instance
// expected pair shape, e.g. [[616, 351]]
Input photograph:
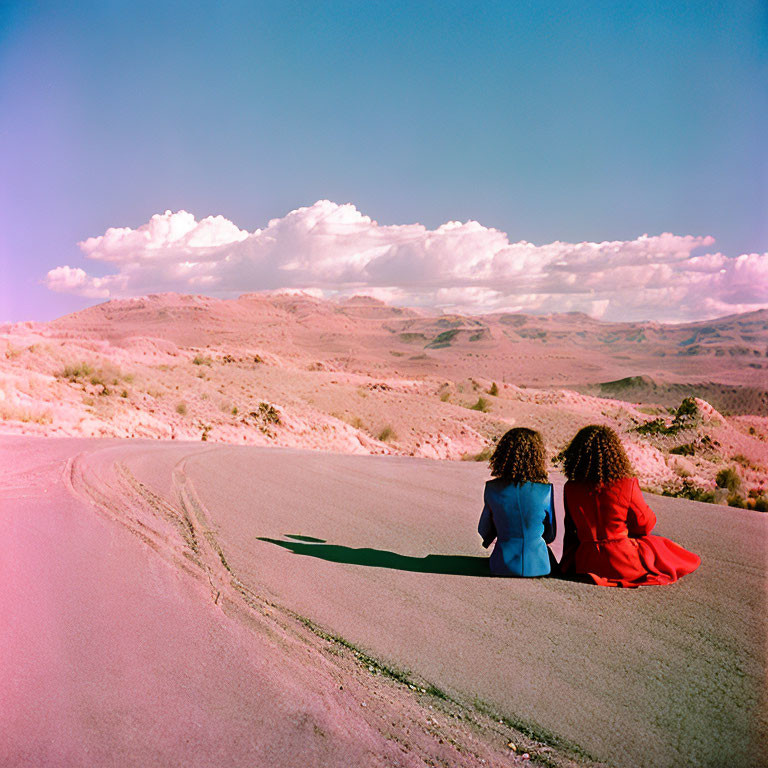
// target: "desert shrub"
[[10, 412], [761, 503], [201, 360], [234, 410], [97, 380], [752, 430], [357, 423], [687, 410], [264, 417], [206, 429], [124, 393], [445, 396], [741, 459], [258, 359], [655, 427], [494, 390], [481, 405], [268, 413], [442, 340], [729, 479], [686, 449], [688, 490], [734, 500], [686, 416], [75, 372], [387, 434], [181, 408], [483, 455]]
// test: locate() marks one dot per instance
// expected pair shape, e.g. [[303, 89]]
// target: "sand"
[[152, 589]]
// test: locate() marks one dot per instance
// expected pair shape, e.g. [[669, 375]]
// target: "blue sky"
[[549, 121]]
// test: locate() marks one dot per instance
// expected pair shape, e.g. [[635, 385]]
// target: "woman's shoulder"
[[500, 482], [576, 485]]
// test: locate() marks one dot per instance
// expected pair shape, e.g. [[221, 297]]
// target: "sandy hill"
[[361, 376]]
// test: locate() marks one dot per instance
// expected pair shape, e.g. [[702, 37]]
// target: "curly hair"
[[520, 457], [596, 456]]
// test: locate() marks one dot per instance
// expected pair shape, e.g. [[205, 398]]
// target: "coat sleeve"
[[486, 527], [550, 521], [640, 517], [570, 537]]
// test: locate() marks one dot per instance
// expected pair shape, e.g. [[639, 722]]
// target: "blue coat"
[[522, 519]]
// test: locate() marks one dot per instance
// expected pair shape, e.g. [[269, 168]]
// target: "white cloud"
[[335, 250]]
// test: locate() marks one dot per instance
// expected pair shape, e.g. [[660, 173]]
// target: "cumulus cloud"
[[334, 250]]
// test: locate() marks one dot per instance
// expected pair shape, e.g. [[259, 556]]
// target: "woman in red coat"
[[608, 525]]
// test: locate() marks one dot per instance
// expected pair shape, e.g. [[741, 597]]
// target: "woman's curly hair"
[[596, 456], [520, 457]]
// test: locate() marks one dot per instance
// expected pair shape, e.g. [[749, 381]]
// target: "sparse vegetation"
[[686, 449], [494, 390], [75, 372], [686, 416], [181, 408], [481, 405], [10, 412], [445, 396], [206, 429], [269, 413], [387, 434], [688, 490], [202, 360], [483, 455], [443, 339], [263, 418], [729, 479]]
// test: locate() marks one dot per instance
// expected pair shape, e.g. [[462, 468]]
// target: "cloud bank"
[[334, 250]]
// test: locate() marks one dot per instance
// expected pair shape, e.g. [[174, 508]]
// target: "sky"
[[607, 157]]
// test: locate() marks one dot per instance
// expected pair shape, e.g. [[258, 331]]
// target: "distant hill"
[[725, 360]]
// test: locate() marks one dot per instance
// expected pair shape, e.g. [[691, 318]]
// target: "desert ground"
[[359, 376], [243, 532], [190, 604]]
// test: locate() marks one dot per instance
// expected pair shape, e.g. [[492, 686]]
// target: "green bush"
[[481, 405], [74, 372], [484, 455], [655, 427], [387, 434], [734, 500], [683, 450], [728, 478], [688, 410], [689, 491], [494, 390], [268, 413]]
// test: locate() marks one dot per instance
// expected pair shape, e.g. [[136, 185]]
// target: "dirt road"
[[381, 551]]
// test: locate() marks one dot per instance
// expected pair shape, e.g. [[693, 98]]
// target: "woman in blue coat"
[[519, 509]]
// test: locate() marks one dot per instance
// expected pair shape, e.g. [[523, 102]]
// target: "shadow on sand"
[[454, 565]]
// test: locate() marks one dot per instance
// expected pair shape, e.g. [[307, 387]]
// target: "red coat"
[[608, 538]]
